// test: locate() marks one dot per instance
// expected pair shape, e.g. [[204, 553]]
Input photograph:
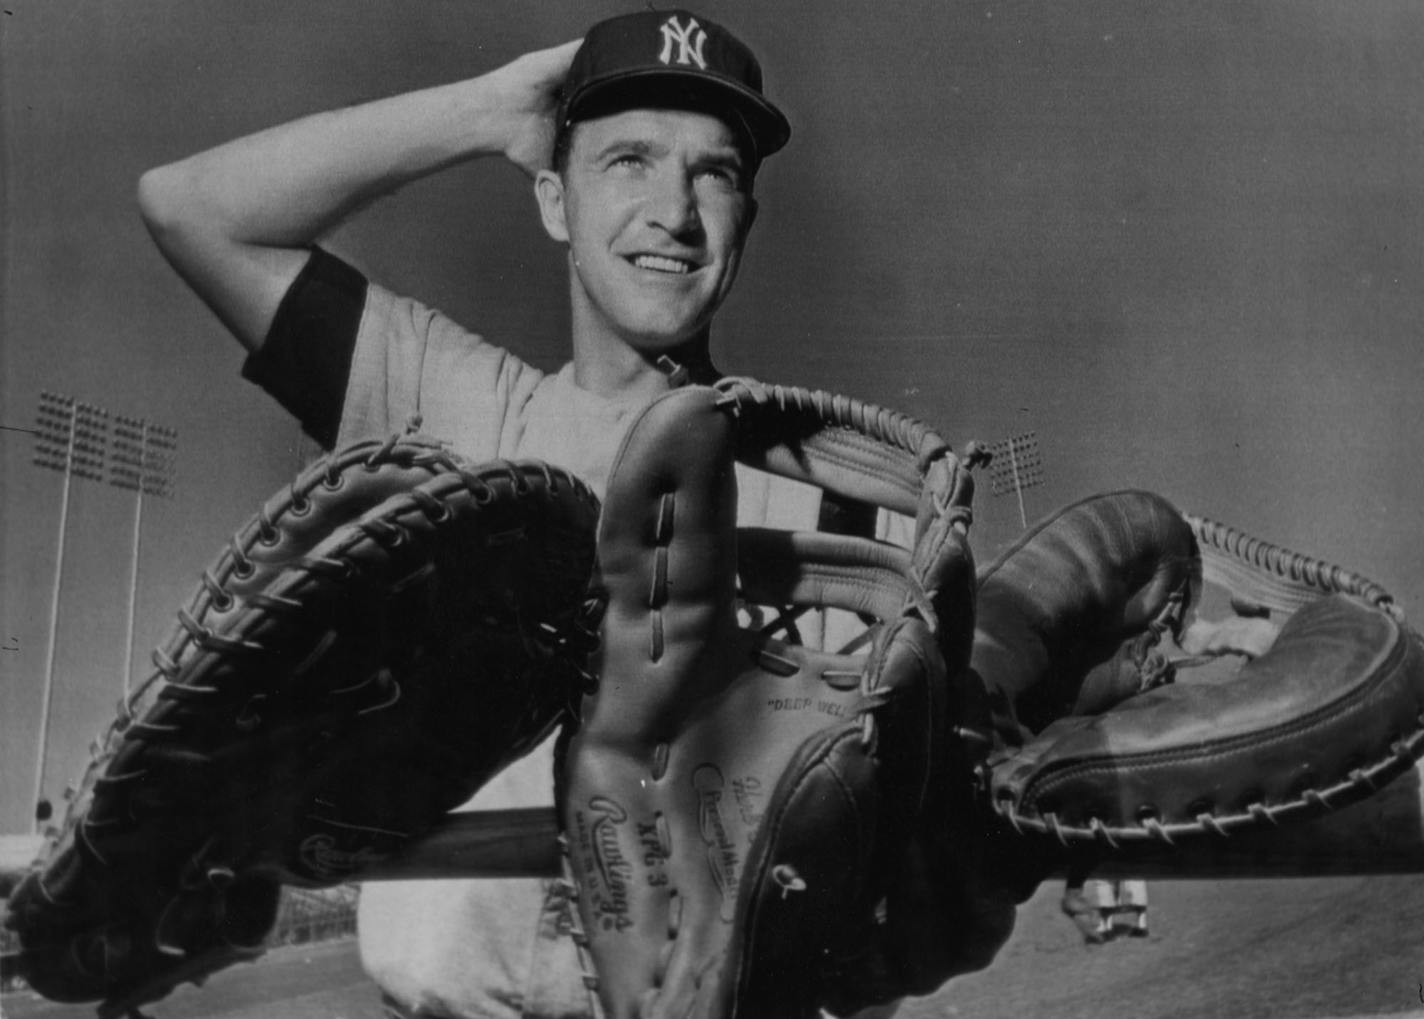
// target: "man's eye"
[[719, 175]]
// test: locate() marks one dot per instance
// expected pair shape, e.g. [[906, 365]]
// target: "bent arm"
[[235, 221]]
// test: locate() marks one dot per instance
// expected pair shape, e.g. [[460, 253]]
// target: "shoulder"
[[413, 359], [403, 333]]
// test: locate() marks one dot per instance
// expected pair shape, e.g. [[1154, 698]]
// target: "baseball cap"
[[652, 58]]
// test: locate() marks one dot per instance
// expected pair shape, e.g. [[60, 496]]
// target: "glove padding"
[[735, 807], [384, 636], [1054, 611], [1072, 640]]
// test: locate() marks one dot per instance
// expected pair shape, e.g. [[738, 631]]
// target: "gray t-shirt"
[[495, 947]]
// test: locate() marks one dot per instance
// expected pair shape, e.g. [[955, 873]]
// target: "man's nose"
[[673, 204]]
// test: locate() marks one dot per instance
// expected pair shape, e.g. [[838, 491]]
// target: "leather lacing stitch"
[[658, 585], [582, 638], [1321, 576], [518, 482], [871, 700], [567, 888], [785, 622], [893, 428], [1400, 758], [435, 510], [873, 696], [480, 490]]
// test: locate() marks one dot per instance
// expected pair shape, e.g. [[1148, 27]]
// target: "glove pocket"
[[1331, 712], [809, 882]]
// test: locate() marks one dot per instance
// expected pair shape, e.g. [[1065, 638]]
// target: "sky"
[[1182, 243]]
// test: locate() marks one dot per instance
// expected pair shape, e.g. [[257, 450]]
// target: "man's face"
[[655, 206]]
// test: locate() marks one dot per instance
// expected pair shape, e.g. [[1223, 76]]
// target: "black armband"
[[305, 360]]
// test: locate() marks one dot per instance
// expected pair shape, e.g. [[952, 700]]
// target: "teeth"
[[660, 264]]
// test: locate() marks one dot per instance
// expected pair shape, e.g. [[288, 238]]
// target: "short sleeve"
[[305, 360], [412, 362]]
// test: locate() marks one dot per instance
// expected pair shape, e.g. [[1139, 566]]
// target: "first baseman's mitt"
[[738, 808], [385, 635]]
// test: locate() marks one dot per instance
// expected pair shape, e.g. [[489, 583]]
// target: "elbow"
[[157, 198], [169, 205]]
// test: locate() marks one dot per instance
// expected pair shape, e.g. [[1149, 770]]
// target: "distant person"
[[1076, 905], [1121, 907], [1131, 908], [1103, 909]]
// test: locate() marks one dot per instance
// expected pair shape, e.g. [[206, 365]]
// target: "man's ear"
[[549, 192], [752, 208]]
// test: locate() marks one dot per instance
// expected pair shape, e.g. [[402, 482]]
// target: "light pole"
[[142, 462], [72, 438], [1017, 464]]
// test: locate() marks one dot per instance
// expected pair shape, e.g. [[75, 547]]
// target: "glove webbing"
[[1275, 577], [853, 448]]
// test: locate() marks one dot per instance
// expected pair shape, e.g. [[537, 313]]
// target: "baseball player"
[[1078, 907], [1125, 899], [643, 141]]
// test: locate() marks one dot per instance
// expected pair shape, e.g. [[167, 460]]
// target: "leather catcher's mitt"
[[1085, 624], [385, 635], [736, 807]]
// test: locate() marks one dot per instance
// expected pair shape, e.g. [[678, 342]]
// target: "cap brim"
[[660, 87]]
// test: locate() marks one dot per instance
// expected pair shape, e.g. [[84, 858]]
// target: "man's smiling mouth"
[[661, 263]]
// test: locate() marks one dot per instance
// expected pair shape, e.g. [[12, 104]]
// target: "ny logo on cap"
[[689, 41]]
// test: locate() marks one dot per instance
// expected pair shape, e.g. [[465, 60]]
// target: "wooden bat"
[[1383, 834]]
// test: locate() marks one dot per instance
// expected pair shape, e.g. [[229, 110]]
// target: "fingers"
[[563, 54], [544, 70]]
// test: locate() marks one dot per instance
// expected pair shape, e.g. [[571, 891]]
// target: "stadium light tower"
[[142, 462], [77, 440], [1017, 464], [72, 438]]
